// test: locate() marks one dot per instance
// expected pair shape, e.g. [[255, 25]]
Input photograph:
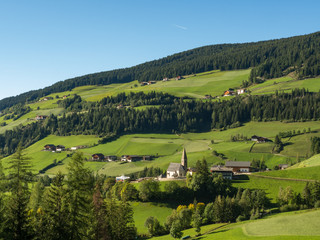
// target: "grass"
[[214, 83], [301, 225], [285, 84], [143, 210], [311, 173], [271, 186], [311, 162], [41, 159]]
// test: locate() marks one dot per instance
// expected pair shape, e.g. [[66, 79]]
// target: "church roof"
[[174, 167]]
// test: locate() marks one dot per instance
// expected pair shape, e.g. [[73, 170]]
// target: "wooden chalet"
[[226, 173], [60, 148], [239, 166], [241, 91], [49, 147], [122, 178], [111, 158], [40, 117], [258, 139], [98, 157], [228, 93], [283, 166], [152, 82]]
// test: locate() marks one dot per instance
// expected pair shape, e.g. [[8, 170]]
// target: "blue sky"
[[42, 42]]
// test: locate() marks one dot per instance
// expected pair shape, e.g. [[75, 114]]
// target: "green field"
[[144, 210], [311, 173], [271, 186], [311, 162], [285, 84], [301, 225]]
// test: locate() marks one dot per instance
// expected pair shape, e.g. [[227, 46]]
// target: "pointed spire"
[[184, 159]]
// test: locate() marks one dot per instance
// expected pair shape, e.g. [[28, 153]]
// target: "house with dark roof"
[[258, 139], [283, 166], [49, 147], [239, 166], [98, 157], [226, 173], [60, 148]]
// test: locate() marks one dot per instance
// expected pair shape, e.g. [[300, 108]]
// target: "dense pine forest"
[[115, 116], [269, 59]]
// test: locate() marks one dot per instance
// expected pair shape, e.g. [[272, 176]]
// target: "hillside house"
[[60, 148], [122, 178], [152, 82], [98, 157], [258, 139], [77, 147], [239, 166], [40, 117], [224, 171], [49, 147], [228, 93], [47, 98], [131, 158], [165, 79], [241, 91], [178, 169], [111, 158], [178, 78], [143, 83], [283, 166]]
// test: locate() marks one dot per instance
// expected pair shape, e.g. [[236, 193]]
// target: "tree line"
[[270, 59], [107, 120]]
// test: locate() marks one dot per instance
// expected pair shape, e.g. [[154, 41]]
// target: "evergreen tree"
[[17, 208]]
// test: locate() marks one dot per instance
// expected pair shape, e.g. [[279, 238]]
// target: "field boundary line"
[[281, 178]]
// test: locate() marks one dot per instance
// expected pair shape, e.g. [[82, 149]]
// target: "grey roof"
[[238, 164], [173, 167], [220, 169]]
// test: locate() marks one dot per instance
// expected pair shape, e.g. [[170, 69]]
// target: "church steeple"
[[184, 159]]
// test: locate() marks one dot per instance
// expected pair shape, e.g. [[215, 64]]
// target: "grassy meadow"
[[300, 225]]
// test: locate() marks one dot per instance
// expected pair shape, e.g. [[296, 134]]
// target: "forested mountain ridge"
[[269, 59]]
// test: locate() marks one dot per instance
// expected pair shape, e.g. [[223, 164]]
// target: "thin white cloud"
[[181, 27]]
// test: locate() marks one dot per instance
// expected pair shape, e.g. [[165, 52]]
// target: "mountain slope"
[[272, 58]]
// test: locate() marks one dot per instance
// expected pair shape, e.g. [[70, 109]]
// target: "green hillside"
[[301, 225]]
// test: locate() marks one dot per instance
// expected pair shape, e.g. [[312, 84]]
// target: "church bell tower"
[[184, 160]]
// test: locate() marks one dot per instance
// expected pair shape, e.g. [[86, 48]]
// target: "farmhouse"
[[165, 79], [241, 91], [178, 169], [143, 83], [40, 117], [122, 178], [60, 148], [178, 78], [49, 147], [98, 157], [111, 158], [224, 171], [131, 158], [228, 93], [239, 166], [152, 82], [78, 147], [47, 98], [283, 166], [258, 139]]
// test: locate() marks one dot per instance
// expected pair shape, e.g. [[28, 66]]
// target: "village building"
[[178, 169], [60, 148], [283, 166], [131, 158], [111, 158], [241, 91], [143, 83], [258, 139], [40, 117], [224, 171], [122, 178], [178, 78], [165, 79], [77, 147], [47, 98], [228, 93], [98, 157], [152, 82], [49, 147], [239, 166]]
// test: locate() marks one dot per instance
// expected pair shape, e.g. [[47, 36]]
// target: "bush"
[[241, 218]]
